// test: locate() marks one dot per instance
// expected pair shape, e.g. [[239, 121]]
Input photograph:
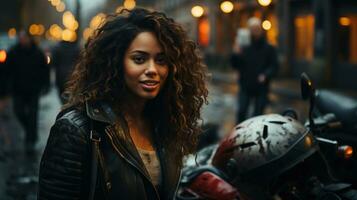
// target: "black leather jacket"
[[65, 170]]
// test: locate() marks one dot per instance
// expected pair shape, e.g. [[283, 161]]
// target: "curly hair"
[[176, 110]]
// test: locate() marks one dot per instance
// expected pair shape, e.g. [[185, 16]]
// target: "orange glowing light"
[[97, 21], [87, 33], [12, 32], [61, 7], [348, 152], [266, 25], [129, 4], [69, 35], [345, 21], [2, 56], [203, 32], [41, 29], [55, 2], [56, 32], [34, 29]]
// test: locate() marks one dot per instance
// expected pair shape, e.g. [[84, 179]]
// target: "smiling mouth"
[[151, 82], [149, 85]]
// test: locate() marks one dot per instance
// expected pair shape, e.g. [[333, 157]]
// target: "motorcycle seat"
[[343, 107]]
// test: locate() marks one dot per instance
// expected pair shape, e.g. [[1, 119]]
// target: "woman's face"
[[145, 66]]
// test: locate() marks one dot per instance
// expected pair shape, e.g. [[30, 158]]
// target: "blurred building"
[[315, 36], [320, 37]]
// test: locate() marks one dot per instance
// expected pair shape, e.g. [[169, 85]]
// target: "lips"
[[149, 84]]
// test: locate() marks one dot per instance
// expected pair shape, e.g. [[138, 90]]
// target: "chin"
[[148, 96]]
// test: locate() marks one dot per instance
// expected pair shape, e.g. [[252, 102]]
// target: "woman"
[[135, 94]]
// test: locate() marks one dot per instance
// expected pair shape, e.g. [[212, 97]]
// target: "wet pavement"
[[19, 172], [223, 101]]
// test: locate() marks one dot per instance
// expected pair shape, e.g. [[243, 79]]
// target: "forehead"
[[145, 41]]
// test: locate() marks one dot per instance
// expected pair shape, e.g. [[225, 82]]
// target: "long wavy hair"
[[175, 112]]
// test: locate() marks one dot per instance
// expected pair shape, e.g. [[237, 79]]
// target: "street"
[[20, 172]]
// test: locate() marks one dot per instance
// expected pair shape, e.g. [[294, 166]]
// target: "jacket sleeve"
[[64, 164]]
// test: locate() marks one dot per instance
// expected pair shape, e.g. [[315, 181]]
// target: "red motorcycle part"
[[210, 186]]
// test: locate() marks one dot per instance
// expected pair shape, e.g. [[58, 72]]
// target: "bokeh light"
[[264, 2], [97, 20], [227, 6], [55, 2], [129, 4], [266, 25], [61, 7], [345, 21], [41, 29], [69, 35], [56, 32], [87, 33], [33, 30], [2, 56], [11, 33], [69, 21], [197, 11]]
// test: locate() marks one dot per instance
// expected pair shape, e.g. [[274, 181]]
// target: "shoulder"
[[71, 124], [72, 121], [68, 138]]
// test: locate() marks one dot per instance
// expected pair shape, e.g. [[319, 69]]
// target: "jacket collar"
[[100, 111]]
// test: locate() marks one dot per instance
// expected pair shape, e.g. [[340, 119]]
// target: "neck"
[[138, 124], [133, 108]]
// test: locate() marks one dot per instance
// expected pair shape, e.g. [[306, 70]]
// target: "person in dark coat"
[[64, 56], [257, 64], [132, 114], [29, 76], [4, 80]]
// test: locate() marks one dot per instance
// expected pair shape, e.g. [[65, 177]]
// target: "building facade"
[[314, 36], [320, 37]]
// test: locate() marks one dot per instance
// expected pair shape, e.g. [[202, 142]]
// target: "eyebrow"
[[146, 53]]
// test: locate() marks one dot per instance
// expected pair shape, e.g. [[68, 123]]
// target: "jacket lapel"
[[103, 112], [170, 172]]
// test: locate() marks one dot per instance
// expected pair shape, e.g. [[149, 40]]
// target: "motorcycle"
[[271, 156], [335, 118]]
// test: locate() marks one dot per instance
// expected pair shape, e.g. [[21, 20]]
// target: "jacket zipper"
[[109, 132]]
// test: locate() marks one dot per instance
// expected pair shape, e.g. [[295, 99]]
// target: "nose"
[[151, 68]]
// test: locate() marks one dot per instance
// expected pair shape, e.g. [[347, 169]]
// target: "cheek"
[[164, 73], [130, 71]]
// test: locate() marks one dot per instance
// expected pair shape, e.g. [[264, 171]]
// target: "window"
[[347, 38], [304, 37]]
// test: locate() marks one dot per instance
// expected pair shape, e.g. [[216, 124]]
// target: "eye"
[[161, 60], [138, 59]]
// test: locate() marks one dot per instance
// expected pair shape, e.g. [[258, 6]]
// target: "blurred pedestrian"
[[29, 76], [132, 114], [64, 56], [256, 64], [4, 80]]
